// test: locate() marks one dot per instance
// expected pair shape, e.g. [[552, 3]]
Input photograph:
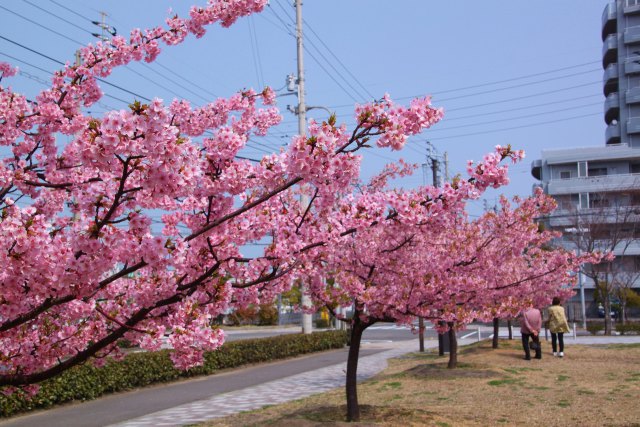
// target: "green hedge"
[[595, 327], [87, 382], [628, 328]]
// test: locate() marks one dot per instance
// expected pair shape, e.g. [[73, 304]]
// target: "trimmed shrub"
[[263, 315], [268, 315], [243, 316], [628, 328], [595, 327], [87, 382], [322, 323]]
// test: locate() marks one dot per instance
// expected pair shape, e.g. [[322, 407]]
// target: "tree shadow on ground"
[[336, 416]]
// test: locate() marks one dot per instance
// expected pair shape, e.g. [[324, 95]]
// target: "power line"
[[512, 79], [80, 43], [518, 98], [174, 82], [62, 63], [255, 52], [247, 158], [263, 16], [153, 81], [517, 86], [284, 24], [338, 59], [319, 51], [26, 63], [515, 127], [492, 82], [526, 107], [33, 77], [514, 118], [143, 64], [40, 25], [70, 10], [50, 72], [186, 80], [59, 17], [312, 56]]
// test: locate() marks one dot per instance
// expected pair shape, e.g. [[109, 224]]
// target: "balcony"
[[632, 35], [610, 79], [632, 65], [610, 50], [612, 134], [567, 219], [632, 96], [536, 169], [594, 184], [609, 20], [633, 125], [626, 248], [612, 108], [631, 7]]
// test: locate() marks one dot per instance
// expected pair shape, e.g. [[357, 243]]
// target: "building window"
[[599, 201], [583, 201], [582, 169], [597, 171], [565, 175], [635, 167], [630, 3]]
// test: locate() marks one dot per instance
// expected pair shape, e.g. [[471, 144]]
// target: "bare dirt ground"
[[590, 386]]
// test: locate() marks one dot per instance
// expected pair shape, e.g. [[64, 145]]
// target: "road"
[[380, 332]]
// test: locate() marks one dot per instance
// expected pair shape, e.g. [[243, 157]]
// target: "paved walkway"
[[245, 389], [278, 391]]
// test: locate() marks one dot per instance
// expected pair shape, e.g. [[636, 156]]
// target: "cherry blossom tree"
[[429, 260], [82, 266]]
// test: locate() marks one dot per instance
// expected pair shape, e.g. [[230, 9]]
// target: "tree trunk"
[[607, 315], [353, 409], [510, 327], [421, 333], [496, 330], [453, 347], [440, 343]]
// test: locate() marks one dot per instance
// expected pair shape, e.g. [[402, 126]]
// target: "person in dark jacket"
[[531, 323]]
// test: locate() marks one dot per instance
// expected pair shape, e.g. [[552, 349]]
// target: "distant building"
[[589, 180]]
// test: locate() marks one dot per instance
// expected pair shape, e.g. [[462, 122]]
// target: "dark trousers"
[[557, 338], [525, 345]]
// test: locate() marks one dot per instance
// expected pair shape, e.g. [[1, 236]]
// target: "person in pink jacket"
[[530, 325]]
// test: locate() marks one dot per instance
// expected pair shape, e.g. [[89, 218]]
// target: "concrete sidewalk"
[[279, 391], [306, 384], [242, 389]]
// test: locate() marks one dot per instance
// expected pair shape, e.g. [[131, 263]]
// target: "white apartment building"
[[597, 182]]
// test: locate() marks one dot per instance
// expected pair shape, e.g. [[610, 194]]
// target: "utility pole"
[[431, 159], [435, 166], [307, 325], [444, 341], [446, 166]]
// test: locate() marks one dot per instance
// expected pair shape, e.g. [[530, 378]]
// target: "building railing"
[[583, 178]]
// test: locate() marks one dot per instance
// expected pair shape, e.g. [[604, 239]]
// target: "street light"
[[578, 231]]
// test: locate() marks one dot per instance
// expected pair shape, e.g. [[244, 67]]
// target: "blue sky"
[[507, 72]]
